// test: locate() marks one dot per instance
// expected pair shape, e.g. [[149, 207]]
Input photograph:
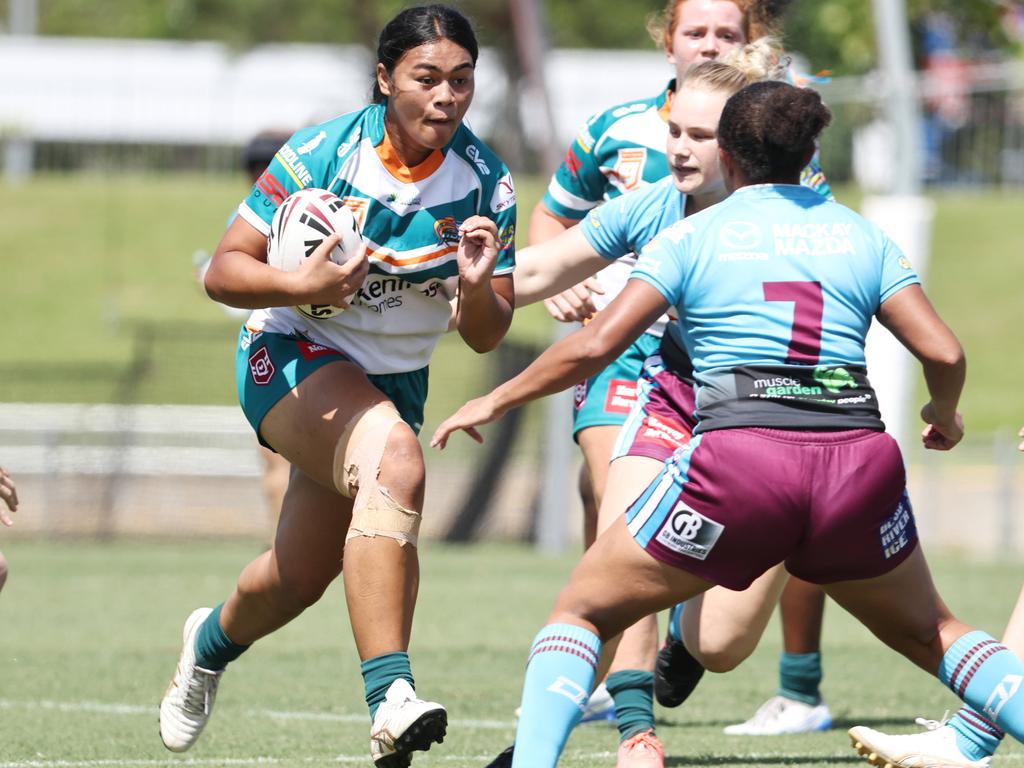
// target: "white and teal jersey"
[[409, 218], [618, 150], [775, 288]]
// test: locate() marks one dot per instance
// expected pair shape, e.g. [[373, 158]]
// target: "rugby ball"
[[300, 225]]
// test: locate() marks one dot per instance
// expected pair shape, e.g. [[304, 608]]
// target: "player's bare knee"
[[716, 658], [378, 463], [402, 469]]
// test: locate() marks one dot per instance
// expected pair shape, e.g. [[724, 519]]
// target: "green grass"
[[90, 635], [99, 301]]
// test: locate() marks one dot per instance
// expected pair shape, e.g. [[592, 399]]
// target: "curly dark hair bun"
[[770, 129]]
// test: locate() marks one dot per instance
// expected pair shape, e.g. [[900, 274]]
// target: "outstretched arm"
[[550, 267], [913, 320], [577, 356]]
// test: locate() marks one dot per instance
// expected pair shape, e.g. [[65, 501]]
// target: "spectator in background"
[[256, 156], [9, 494]]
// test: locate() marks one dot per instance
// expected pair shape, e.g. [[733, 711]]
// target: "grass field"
[[89, 635], [99, 302]]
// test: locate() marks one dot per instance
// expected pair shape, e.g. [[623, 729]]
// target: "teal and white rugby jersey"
[[409, 218]]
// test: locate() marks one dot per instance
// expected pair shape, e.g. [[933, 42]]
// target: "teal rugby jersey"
[[409, 219], [617, 150], [776, 288]]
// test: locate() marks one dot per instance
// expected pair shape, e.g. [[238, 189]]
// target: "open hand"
[[574, 304], [479, 411], [324, 282]]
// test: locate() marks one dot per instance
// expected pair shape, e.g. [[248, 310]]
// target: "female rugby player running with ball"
[[775, 288], [340, 393]]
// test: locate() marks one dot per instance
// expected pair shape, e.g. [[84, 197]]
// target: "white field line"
[[136, 709]]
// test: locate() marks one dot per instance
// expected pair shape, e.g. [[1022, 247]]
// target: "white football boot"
[[188, 701], [936, 747], [600, 707], [404, 724], [780, 715]]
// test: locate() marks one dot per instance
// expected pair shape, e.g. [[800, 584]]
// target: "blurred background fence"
[[121, 160]]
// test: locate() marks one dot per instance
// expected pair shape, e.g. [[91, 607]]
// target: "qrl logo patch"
[[689, 533], [579, 395], [261, 367]]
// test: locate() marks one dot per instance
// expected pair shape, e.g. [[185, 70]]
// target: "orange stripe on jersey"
[[665, 108], [414, 259], [389, 158]]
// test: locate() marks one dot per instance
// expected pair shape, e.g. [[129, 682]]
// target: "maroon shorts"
[[661, 420], [734, 502]]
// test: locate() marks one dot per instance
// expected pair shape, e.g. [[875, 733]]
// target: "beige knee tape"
[[357, 459], [383, 516]]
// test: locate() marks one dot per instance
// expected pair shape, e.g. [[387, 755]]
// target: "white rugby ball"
[[300, 225]]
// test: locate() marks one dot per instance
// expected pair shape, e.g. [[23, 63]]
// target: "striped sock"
[[559, 676], [988, 677], [976, 735]]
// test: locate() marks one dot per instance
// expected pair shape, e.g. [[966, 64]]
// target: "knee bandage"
[[357, 459]]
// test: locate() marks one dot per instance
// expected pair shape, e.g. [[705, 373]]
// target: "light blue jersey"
[[775, 288]]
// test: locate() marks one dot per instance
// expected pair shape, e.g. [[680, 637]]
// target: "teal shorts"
[[270, 365], [606, 399]]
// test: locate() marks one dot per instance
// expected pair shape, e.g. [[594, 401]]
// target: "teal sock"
[[633, 693], [559, 677], [988, 677], [214, 649], [800, 677], [380, 672], [675, 621], [976, 735]]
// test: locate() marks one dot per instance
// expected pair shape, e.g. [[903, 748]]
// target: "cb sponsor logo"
[[690, 533]]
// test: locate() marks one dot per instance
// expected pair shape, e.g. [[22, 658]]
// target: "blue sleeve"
[[607, 228], [897, 271], [663, 261]]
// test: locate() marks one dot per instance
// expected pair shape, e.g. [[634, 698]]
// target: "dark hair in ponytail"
[[770, 129], [414, 27]]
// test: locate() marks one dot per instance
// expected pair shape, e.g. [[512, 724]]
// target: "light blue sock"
[[675, 622], [976, 735], [989, 678], [559, 676]]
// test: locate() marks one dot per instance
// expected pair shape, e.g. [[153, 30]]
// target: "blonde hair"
[[760, 60], [760, 19]]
